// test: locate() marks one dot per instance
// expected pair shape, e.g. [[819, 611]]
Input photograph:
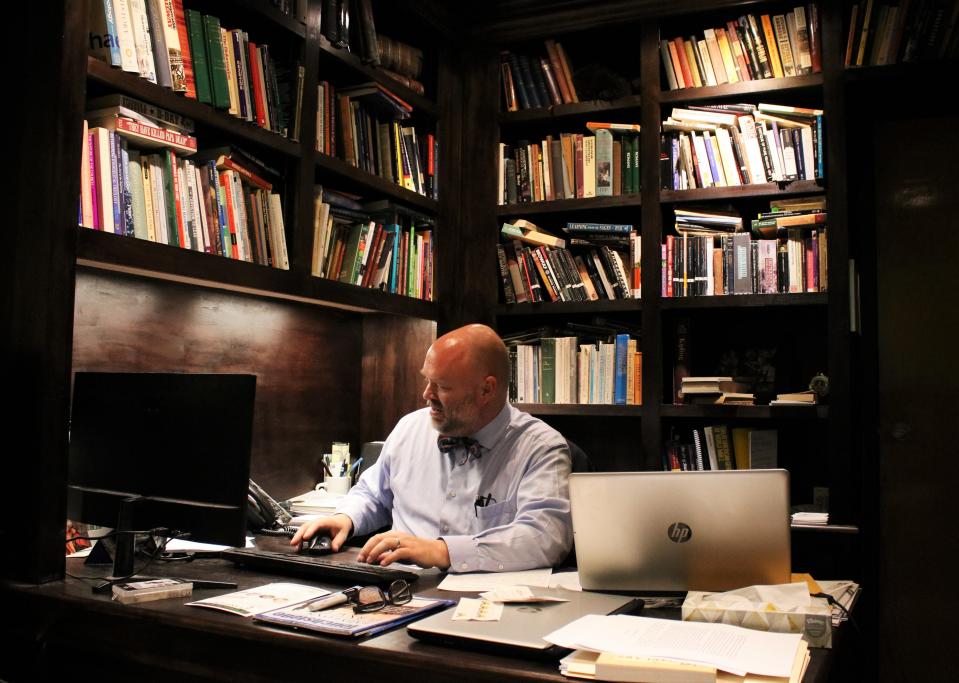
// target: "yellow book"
[[741, 447], [771, 46], [729, 61], [693, 67]]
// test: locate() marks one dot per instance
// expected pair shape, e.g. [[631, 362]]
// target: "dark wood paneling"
[[36, 312], [918, 391], [393, 352], [307, 361]]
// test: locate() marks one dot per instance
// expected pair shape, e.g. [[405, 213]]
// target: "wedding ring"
[[396, 543]]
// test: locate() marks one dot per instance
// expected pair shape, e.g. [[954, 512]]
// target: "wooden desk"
[[55, 630]]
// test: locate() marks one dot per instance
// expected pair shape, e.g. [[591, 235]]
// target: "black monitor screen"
[[176, 444]]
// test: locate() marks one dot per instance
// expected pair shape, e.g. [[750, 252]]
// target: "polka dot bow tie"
[[447, 444]]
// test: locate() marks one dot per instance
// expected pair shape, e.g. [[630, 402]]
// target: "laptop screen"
[[680, 531]]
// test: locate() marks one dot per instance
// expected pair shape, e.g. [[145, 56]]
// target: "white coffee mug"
[[335, 485]]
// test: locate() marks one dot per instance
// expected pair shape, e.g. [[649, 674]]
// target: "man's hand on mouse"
[[337, 526], [399, 546]]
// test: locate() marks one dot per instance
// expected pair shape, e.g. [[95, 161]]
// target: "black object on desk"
[[318, 568]]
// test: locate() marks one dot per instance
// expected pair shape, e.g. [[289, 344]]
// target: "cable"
[[111, 580]]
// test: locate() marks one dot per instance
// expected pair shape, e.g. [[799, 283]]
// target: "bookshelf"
[[327, 353], [810, 328]]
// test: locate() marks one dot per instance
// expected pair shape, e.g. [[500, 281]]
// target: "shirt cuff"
[[465, 558], [355, 513]]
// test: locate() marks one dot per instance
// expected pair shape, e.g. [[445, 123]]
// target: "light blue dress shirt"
[[524, 465]]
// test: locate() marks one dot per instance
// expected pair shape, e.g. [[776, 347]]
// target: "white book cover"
[[730, 169], [604, 163], [709, 74], [128, 46], [702, 160], [589, 166], [757, 172]]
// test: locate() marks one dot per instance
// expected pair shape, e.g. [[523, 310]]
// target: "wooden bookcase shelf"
[[775, 317], [569, 205], [771, 86], [370, 184], [560, 112], [421, 105], [745, 301], [203, 114], [163, 262], [702, 194], [552, 308], [724, 412], [580, 409]]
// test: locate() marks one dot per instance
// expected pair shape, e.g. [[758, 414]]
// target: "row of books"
[[741, 144], [907, 31], [706, 265], [560, 370], [350, 25], [211, 203], [717, 447], [746, 49], [361, 126], [192, 53], [607, 265], [534, 81], [572, 166], [378, 248]]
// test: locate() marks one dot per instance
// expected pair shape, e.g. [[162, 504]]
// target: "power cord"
[[835, 603], [109, 581]]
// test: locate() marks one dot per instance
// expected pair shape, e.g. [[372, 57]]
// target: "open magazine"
[[287, 604]]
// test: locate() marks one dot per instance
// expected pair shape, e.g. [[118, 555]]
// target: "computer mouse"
[[318, 544]]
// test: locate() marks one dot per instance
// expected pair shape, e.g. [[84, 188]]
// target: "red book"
[[184, 47], [175, 177], [227, 186], [683, 62], [578, 163], [257, 86], [375, 249]]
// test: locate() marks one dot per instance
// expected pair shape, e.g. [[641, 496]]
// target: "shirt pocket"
[[495, 514]]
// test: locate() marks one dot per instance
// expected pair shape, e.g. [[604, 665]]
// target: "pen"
[[354, 468], [328, 601]]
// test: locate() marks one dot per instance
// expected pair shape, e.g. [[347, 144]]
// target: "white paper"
[[252, 601], [730, 648], [479, 582], [184, 545], [567, 580], [517, 594], [477, 609]]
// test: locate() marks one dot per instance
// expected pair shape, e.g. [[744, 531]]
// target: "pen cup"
[[335, 485]]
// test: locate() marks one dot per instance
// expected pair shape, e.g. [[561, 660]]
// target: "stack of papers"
[[845, 594], [629, 648], [315, 503], [817, 518]]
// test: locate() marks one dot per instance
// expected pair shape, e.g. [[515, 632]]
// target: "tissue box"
[[813, 621]]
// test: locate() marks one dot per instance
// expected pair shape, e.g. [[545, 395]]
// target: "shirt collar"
[[494, 430]]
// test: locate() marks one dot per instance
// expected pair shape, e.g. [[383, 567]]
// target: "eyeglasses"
[[372, 598]]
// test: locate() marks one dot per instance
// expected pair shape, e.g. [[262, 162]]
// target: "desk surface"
[[55, 623]]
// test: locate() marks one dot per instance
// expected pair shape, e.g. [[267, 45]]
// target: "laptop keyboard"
[[319, 568]]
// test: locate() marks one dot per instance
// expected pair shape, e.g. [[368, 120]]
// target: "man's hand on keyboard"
[[338, 526], [398, 546]]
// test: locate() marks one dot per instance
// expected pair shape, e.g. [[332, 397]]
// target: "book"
[[143, 134], [344, 622], [132, 592]]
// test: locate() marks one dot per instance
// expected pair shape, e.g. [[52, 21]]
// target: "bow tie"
[[447, 444]]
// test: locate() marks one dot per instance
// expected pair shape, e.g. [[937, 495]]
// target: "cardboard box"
[[813, 621]]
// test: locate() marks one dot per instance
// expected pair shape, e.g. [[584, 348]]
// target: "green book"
[[169, 198], [348, 267], [547, 370], [136, 190], [214, 58], [201, 67]]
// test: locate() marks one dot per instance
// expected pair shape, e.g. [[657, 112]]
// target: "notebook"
[[523, 625], [655, 532]]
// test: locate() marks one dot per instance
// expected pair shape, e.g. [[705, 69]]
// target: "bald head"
[[467, 375]]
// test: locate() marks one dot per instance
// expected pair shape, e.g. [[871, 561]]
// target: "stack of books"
[[721, 390], [799, 398]]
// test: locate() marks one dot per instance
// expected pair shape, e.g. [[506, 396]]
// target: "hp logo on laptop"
[[679, 532]]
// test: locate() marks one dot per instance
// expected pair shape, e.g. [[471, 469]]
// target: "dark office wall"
[[915, 319], [307, 361]]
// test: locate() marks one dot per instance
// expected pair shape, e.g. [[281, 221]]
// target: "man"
[[497, 503]]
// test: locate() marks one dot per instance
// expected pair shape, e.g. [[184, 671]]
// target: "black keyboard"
[[319, 568]]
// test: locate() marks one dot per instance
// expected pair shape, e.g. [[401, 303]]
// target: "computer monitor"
[[160, 450]]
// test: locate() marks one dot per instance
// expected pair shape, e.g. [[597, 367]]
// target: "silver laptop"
[[522, 626], [679, 531]]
